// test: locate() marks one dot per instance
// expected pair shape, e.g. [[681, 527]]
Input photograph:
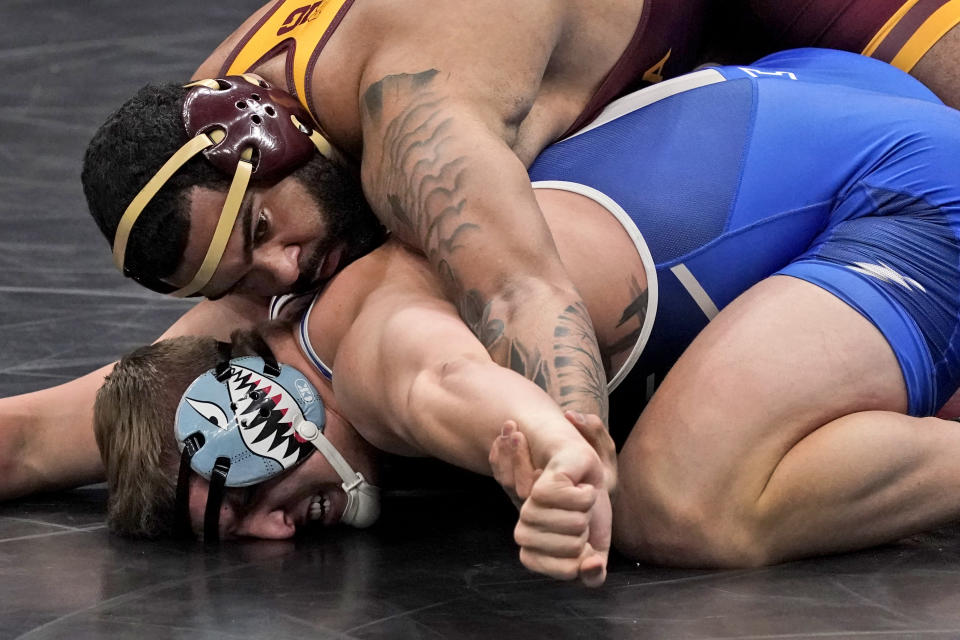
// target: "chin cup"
[[363, 503]]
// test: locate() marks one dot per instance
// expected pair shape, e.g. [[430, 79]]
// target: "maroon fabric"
[[667, 28], [246, 38], [841, 24], [905, 28], [252, 116]]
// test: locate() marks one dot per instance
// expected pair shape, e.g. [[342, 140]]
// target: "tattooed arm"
[[413, 380], [439, 171]]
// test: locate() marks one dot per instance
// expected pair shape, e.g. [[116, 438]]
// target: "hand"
[[512, 463], [594, 431], [565, 523], [564, 526]]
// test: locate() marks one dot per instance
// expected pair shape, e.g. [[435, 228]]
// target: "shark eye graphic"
[[212, 412]]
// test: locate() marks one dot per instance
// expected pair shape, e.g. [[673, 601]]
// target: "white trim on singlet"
[[653, 93], [646, 258], [604, 201], [696, 290], [277, 303], [304, 337]]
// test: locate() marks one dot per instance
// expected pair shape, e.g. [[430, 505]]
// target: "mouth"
[[320, 267], [331, 261], [326, 508]]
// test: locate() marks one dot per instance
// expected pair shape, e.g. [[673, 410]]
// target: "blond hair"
[[133, 423]]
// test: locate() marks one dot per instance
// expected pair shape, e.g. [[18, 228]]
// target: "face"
[[281, 242], [308, 495], [289, 237]]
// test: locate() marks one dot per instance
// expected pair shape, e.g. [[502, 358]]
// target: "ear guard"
[[247, 129], [248, 420]]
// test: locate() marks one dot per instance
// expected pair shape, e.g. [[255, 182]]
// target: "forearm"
[[543, 332], [46, 441], [448, 185], [456, 410]]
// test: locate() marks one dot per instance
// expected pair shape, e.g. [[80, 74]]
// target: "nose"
[[275, 268]]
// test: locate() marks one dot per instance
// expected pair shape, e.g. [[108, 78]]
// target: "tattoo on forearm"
[[577, 359], [529, 364], [420, 180], [418, 189], [476, 315]]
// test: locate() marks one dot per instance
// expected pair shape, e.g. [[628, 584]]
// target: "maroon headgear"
[[247, 129]]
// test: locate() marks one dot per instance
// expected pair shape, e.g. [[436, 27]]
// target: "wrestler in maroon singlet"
[[896, 31]]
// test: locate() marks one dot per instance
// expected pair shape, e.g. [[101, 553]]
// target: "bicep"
[[439, 171], [392, 344]]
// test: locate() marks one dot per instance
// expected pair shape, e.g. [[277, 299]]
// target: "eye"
[[210, 411], [263, 226], [244, 496]]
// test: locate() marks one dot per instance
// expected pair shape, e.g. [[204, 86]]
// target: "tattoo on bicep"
[[638, 304], [419, 181], [636, 309]]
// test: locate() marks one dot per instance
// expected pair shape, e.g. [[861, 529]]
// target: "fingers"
[[594, 431], [511, 463], [501, 465], [589, 566], [524, 474], [555, 530], [593, 568]]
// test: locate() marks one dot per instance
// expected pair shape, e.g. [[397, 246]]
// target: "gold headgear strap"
[[221, 235], [319, 141], [135, 208]]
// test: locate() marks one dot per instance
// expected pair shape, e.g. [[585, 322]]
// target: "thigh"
[[939, 68], [780, 361]]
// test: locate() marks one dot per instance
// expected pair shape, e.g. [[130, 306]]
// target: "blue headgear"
[[248, 420]]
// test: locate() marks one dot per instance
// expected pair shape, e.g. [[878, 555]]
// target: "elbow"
[[532, 291]]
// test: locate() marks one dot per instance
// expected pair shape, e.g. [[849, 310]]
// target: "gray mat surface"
[[440, 564]]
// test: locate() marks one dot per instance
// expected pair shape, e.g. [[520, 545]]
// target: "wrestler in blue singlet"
[[817, 164]]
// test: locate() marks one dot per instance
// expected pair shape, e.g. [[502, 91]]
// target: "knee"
[[687, 530]]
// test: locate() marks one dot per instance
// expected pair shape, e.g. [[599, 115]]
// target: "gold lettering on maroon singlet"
[[655, 73], [299, 16]]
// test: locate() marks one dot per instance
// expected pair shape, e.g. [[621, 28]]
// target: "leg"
[[46, 437], [939, 68], [779, 434]]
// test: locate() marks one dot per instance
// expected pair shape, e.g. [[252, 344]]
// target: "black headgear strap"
[[182, 527], [218, 475]]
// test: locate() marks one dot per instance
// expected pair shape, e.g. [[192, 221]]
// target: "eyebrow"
[[246, 215]]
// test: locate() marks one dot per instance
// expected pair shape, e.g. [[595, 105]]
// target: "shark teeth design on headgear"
[[267, 415]]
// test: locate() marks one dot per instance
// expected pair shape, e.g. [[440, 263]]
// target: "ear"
[[271, 525]]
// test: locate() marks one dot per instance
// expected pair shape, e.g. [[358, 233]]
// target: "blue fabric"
[[818, 164]]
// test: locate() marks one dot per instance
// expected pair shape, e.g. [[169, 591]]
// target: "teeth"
[[319, 506]]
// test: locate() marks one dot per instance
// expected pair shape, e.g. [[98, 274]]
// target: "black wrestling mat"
[[440, 564]]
